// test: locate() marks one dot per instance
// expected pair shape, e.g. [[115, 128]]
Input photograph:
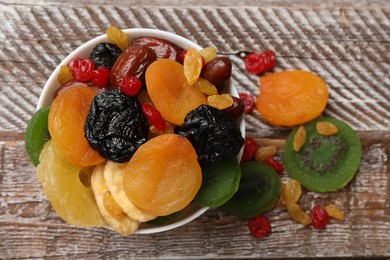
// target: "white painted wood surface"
[[345, 42]]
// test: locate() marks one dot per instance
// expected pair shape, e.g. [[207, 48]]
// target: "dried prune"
[[164, 49], [214, 135], [116, 126], [105, 54], [132, 62]]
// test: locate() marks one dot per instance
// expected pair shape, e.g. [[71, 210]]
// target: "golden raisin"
[[291, 192], [65, 75], [205, 87], [326, 128], [118, 37], [208, 53], [334, 212], [220, 101], [263, 152], [193, 63], [112, 206], [299, 138], [297, 214]]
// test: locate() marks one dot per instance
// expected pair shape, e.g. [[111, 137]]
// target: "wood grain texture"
[[346, 44]]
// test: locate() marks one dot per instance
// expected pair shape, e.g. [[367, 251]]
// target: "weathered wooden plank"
[[29, 227], [348, 47]]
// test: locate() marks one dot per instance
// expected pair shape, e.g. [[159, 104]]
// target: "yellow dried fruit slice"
[[202, 85], [192, 65], [335, 212], [291, 192], [263, 152], [65, 75], [113, 177], [118, 37], [299, 138], [297, 214], [208, 53], [61, 184], [326, 128], [108, 207], [220, 101]]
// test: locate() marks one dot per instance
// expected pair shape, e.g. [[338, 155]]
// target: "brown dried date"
[[218, 72], [164, 49], [132, 62], [236, 110]]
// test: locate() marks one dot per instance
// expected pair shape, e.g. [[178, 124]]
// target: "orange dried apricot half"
[[291, 98], [170, 92], [66, 121], [163, 176]]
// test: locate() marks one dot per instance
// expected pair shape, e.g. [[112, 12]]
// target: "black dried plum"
[[214, 135], [105, 54], [115, 125]]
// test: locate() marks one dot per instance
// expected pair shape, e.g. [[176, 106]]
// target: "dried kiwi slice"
[[37, 134], [258, 191], [325, 162], [219, 183]]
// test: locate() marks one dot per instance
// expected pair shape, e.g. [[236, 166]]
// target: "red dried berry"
[[130, 85], [81, 68], [154, 116], [278, 167], [250, 148], [249, 101], [182, 55], [100, 76], [319, 217], [259, 226], [257, 63]]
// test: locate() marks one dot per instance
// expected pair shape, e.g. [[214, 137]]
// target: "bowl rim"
[[84, 50]]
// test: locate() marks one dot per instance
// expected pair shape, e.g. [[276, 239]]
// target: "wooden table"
[[345, 42]]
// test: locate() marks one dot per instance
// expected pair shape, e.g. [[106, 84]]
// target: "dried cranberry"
[[257, 63], [278, 167], [154, 116], [259, 226], [99, 77], [181, 56], [250, 148], [319, 217], [130, 85], [249, 101], [81, 68]]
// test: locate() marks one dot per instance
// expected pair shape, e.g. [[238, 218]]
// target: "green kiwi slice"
[[37, 134], [325, 162], [220, 182], [258, 191]]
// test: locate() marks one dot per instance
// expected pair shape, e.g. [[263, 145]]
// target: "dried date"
[[164, 49], [132, 62]]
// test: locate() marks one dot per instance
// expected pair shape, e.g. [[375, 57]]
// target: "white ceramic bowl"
[[193, 210]]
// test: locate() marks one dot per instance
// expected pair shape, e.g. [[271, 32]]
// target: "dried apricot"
[[170, 92], [158, 179], [291, 97], [66, 121]]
